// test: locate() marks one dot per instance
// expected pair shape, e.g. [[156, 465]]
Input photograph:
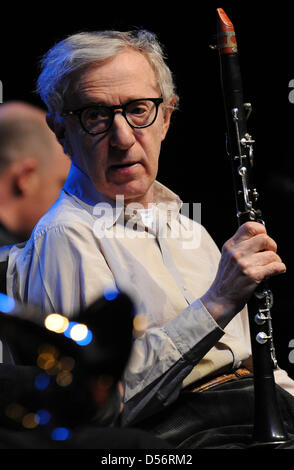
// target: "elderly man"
[[110, 97]]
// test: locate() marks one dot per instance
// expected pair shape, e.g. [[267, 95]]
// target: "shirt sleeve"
[[163, 357]]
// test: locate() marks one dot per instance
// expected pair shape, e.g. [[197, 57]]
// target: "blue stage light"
[[60, 434], [110, 294], [7, 304], [42, 381], [44, 417]]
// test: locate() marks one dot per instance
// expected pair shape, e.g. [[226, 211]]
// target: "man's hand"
[[247, 258]]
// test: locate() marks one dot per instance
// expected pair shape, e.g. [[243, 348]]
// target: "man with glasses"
[[110, 97]]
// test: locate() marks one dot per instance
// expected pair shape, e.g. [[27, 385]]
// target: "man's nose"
[[122, 135]]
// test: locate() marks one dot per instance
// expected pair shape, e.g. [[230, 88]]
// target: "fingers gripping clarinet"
[[247, 258]]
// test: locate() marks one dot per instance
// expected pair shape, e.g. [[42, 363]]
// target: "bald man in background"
[[33, 169]]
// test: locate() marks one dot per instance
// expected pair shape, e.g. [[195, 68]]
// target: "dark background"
[[194, 162]]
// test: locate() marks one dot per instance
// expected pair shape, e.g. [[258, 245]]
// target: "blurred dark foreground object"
[[63, 389]]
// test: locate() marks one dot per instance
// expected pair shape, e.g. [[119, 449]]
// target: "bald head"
[[33, 166], [24, 132]]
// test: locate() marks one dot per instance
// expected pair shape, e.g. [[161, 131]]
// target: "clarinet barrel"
[[268, 424]]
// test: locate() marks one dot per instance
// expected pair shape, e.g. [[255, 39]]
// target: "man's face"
[[123, 160]]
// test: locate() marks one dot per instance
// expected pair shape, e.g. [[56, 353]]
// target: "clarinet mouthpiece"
[[227, 43]]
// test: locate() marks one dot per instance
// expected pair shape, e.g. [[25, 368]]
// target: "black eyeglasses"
[[97, 119]]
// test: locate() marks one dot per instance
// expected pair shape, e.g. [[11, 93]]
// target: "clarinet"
[[268, 425]]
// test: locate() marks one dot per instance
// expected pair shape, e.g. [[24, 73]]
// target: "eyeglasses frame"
[[78, 112]]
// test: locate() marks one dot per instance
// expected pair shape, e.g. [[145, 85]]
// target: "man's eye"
[[138, 110], [96, 114]]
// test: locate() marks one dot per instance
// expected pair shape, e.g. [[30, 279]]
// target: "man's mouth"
[[124, 168]]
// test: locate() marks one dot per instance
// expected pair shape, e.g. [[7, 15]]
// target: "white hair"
[[81, 50]]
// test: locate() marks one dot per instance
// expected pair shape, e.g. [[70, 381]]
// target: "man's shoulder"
[[66, 213]]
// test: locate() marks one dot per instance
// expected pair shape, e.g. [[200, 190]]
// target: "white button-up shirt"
[[86, 244]]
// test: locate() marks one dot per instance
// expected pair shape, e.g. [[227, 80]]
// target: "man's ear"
[[25, 176], [57, 126], [167, 117]]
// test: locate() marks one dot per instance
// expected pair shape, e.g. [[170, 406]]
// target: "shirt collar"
[[80, 186]]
